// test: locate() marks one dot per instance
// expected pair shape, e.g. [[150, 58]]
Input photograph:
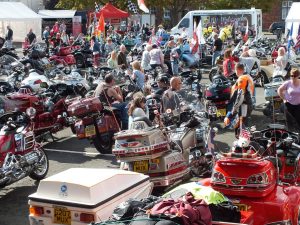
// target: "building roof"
[[56, 14], [16, 10]]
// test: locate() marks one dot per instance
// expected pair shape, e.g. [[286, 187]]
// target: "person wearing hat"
[[160, 31], [251, 61]]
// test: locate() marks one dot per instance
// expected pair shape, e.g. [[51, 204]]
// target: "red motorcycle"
[[250, 178], [63, 56], [51, 109], [20, 154], [95, 122]]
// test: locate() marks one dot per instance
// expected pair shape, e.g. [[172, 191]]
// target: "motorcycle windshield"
[[9, 105], [10, 61]]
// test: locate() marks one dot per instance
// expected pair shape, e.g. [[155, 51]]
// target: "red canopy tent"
[[109, 11]]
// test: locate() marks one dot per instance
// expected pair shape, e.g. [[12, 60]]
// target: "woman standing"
[[289, 91], [156, 57], [137, 75], [95, 46], [228, 63], [145, 63]]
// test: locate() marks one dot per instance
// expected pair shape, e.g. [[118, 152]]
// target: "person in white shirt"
[[145, 63]]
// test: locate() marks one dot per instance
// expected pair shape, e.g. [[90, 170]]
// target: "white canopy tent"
[[57, 14], [21, 19], [293, 17]]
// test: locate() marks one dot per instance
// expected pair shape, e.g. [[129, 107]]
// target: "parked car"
[[277, 26]]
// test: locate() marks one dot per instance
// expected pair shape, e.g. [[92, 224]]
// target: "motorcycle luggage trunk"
[[218, 92], [80, 196], [163, 171], [133, 145], [84, 107], [64, 51]]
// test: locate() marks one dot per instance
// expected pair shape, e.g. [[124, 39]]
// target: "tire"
[[212, 73], [41, 168], [103, 144], [79, 61]]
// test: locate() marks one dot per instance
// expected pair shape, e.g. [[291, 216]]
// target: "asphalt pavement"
[[68, 152]]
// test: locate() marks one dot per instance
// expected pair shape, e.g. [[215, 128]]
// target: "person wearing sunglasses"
[[289, 91]]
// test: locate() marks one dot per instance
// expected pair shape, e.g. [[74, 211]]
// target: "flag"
[[195, 42], [297, 45], [101, 25], [244, 133], [245, 38], [142, 6], [290, 40], [97, 7], [132, 7]]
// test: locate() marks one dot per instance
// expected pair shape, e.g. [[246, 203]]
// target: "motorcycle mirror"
[[31, 112], [44, 85]]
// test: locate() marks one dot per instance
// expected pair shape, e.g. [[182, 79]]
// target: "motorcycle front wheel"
[[40, 169], [103, 144]]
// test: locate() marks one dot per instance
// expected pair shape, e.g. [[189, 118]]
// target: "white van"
[[219, 17]]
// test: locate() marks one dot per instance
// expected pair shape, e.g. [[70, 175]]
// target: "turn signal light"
[[36, 210], [86, 217], [218, 177], [261, 178]]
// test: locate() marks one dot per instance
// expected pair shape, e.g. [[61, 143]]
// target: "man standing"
[[170, 98], [242, 93], [217, 49], [9, 37], [31, 37]]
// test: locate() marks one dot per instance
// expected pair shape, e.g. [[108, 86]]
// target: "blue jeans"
[[215, 55], [123, 113], [174, 66]]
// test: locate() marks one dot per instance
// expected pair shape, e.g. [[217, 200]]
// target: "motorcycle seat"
[[144, 119]]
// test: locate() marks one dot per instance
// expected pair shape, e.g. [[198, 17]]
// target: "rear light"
[[260, 178], [37, 82], [218, 177], [36, 210], [86, 217]]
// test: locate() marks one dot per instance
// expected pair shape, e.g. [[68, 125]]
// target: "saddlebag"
[[84, 107], [107, 123]]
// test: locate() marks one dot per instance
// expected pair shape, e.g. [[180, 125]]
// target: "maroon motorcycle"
[[20, 154], [96, 122]]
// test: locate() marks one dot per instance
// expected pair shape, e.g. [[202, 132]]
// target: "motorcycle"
[[63, 55], [166, 154], [21, 155], [83, 56], [51, 106], [285, 146], [274, 104], [217, 97], [250, 179]]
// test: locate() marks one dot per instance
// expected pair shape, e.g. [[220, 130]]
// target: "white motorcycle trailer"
[[80, 196]]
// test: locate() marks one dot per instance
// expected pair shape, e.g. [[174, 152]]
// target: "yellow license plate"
[[62, 216], [242, 207], [141, 166], [277, 104], [221, 112], [90, 131]]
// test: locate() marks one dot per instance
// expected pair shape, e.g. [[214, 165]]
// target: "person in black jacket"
[[31, 37], [9, 37]]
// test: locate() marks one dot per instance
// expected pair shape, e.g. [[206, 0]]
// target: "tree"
[[50, 4]]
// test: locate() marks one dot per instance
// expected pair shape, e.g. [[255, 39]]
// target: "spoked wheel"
[[103, 144], [40, 169]]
